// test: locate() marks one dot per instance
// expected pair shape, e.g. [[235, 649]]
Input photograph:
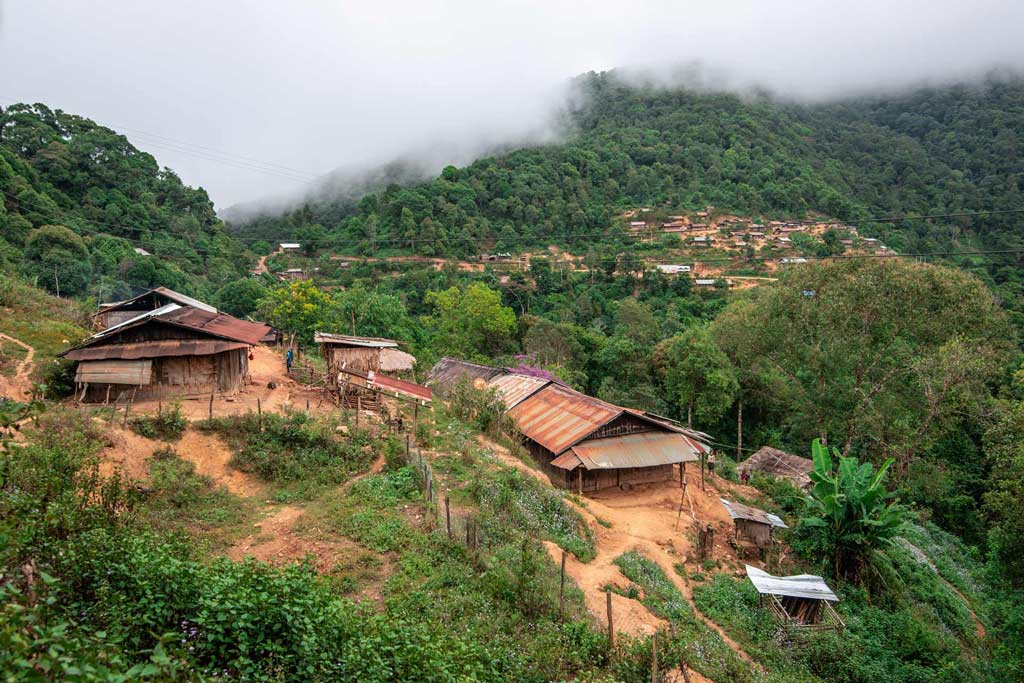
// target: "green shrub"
[[167, 425]]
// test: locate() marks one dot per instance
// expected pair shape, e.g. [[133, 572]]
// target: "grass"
[[692, 641], [167, 425]]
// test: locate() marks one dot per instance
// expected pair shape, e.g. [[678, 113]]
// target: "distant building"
[[794, 259], [705, 282], [290, 246], [141, 252], [674, 269]]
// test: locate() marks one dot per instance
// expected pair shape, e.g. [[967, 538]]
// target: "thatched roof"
[[780, 464]]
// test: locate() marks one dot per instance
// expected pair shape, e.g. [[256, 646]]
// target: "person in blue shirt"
[[288, 360]]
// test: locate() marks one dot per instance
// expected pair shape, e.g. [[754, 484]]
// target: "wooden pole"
[[654, 658], [211, 402], [611, 626], [106, 401], [579, 480], [259, 412], [127, 407], [307, 407], [703, 459], [448, 515], [415, 417], [561, 590], [406, 446]]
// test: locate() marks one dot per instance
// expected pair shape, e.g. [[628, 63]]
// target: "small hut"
[[168, 352], [779, 464], [751, 526], [799, 603], [363, 354], [111, 314]]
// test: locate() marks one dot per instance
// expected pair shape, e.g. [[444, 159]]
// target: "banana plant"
[[850, 509]]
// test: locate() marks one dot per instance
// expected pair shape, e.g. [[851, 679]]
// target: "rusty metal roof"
[[557, 417], [160, 293], [514, 389], [448, 372], [346, 340], [154, 349], [385, 383], [752, 514], [642, 449]]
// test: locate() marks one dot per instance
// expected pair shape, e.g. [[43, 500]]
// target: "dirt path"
[[211, 455], [19, 386], [979, 628]]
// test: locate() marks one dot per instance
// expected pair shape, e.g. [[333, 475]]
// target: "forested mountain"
[[78, 200], [938, 150]]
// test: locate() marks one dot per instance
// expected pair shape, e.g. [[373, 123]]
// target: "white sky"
[[317, 85]]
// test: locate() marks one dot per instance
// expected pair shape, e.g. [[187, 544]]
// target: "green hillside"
[[941, 150], [78, 200]]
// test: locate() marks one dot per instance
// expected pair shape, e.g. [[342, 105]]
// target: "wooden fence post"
[[448, 515], [211, 403], [654, 658], [259, 413], [611, 626], [127, 407], [307, 407], [561, 590], [406, 446]]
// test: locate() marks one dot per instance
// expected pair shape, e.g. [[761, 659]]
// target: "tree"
[[366, 312], [241, 297], [299, 308], [697, 375], [470, 321], [59, 259], [1005, 447], [849, 510]]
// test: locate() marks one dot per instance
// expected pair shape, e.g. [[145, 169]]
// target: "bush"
[[167, 425]]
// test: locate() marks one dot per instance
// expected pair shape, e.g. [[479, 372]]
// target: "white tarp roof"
[[799, 586]]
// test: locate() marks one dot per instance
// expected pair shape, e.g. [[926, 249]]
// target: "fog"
[[258, 100]]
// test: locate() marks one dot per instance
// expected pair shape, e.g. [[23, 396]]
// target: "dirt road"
[[18, 388]]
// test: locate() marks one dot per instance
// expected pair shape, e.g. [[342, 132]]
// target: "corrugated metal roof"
[[217, 324], [799, 586], [557, 417], [155, 349], [137, 319], [448, 372], [514, 389], [741, 511], [345, 340], [375, 380], [169, 294], [643, 449], [132, 372], [698, 439]]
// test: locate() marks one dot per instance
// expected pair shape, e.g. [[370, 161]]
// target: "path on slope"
[[643, 519], [19, 386]]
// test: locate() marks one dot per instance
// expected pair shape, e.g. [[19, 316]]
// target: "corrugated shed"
[[448, 371], [346, 340], [155, 349], [643, 449], [799, 586], [752, 514], [779, 464], [514, 389], [132, 372], [557, 417]]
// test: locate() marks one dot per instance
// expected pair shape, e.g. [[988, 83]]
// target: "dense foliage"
[[78, 200]]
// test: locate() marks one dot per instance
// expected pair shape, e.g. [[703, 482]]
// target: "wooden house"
[[753, 527], [779, 464], [173, 351], [110, 314], [586, 444], [798, 603]]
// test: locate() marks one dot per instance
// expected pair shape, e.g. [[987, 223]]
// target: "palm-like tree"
[[851, 509]]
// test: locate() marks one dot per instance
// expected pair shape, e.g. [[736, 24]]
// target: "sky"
[[255, 100]]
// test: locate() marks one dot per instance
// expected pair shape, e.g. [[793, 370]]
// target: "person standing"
[[288, 361], [711, 462]]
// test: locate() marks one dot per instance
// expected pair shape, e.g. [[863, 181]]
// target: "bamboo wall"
[[179, 376]]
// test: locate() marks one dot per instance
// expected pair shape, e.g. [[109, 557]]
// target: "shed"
[[362, 353], [798, 602], [780, 464], [587, 444], [382, 384], [751, 525], [174, 350], [119, 311]]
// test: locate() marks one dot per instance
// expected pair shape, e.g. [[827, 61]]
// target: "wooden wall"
[[180, 376], [596, 480]]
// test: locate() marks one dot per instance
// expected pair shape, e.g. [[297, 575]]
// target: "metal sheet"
[[514, 389], [155, 349], [567, 461], [410, 389], [557, 417], [345, 340], [799, 586], [217, 325], [448, 371], [740, 511], [643, 449], [132, 372]]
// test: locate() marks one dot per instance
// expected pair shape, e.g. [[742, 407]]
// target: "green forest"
[[903, 377]]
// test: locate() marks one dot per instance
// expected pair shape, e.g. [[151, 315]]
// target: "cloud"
[[253, 99]]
